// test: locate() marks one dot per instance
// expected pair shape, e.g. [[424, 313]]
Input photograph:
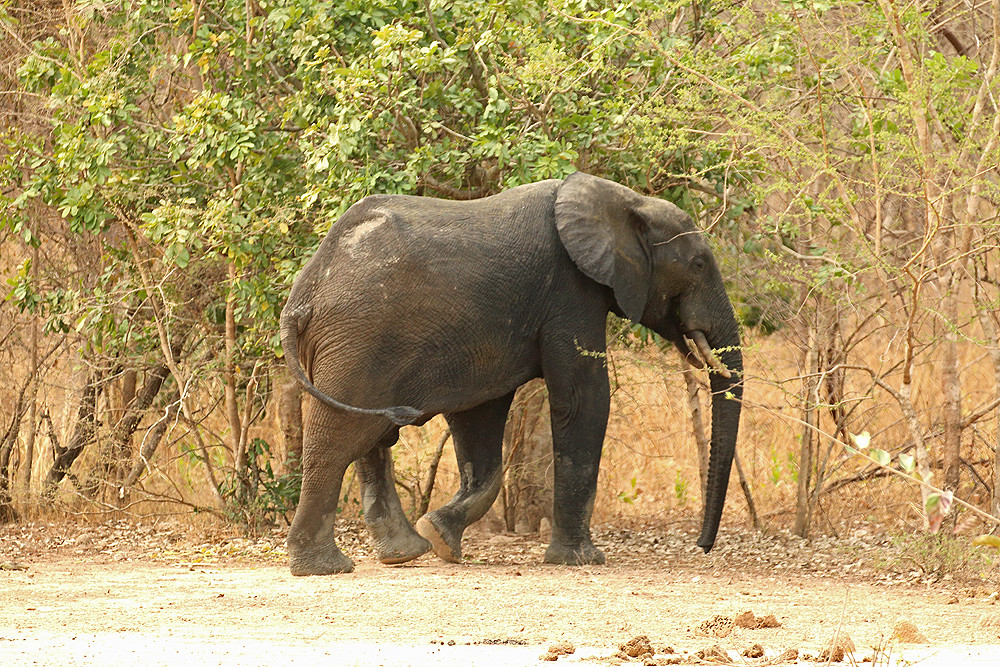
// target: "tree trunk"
[[528, 460], [745, 485], [83, 433], [7, 511], [152, 440], [290, 418], [810, 399], [701, 439], [29, 445], [121, 441], [993, 336], [432, 468], [232, 407], [951, 388], [904, 396], [128, 424]]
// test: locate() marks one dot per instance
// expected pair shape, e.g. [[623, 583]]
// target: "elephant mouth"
[[700, 353]]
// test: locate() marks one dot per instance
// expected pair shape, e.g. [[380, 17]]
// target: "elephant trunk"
[[727, 394]]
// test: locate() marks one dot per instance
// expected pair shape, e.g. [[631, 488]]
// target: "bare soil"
[[659, 600]]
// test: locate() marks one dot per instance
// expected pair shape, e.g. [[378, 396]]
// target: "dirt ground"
[[162, 593]]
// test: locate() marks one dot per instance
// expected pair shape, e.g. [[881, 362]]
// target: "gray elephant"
[[413, 307]]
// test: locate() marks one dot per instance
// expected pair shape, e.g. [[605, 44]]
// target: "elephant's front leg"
[[579, 399], [394, 537], [478, 436]]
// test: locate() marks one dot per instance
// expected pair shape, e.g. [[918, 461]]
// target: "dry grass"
[[649, 469]]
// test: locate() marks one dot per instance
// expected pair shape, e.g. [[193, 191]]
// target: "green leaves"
[[863, 441], [200, 152], [936, 507], [992, 541], [937, 503], [22, 291], [881, 456]]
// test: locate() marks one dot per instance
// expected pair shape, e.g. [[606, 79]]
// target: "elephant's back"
[[400, 243], [436, 291], [495, 222]]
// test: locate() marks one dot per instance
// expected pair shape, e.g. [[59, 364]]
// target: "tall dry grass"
[[650, 469]]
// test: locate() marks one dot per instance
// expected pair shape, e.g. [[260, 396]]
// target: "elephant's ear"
[[600, 227]]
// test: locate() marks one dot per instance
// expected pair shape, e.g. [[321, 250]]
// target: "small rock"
[[85, 539], [751, 622], [562, 648], [790, 655], [637, 647], [713, 654], [755, 651], [12, 566]]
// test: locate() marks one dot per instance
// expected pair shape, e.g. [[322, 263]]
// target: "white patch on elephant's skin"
[[358, 234]]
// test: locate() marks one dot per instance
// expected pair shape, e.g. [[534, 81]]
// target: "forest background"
[[166, 168]]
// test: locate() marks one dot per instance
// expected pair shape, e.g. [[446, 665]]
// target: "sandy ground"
[[130, 596]]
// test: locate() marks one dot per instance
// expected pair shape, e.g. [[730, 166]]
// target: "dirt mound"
[[908, 633], [556, 650], [637, 647], [717, 626], [750, 622], [840, 647], [722, 626]]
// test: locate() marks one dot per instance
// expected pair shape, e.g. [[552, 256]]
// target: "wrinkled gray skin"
[[413, 307]]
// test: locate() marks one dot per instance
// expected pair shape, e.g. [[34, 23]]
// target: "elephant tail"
[[293, 321]]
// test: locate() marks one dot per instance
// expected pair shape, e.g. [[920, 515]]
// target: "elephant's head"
[[665, 277]]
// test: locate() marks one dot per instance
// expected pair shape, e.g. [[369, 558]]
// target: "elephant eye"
[[698, 263]]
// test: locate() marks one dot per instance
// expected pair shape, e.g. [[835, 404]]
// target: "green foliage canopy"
[[220, 138]]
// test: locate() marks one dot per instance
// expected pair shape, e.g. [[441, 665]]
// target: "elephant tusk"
[[706, 352]]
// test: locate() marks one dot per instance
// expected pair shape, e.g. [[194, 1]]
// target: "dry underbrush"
[[870, 558]]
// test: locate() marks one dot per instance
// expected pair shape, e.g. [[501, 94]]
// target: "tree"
[[868, 141], [197, 153]]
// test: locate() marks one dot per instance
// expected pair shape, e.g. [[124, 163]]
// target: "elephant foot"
[[312, 559], [446, 541], [395, 547], [585, 554]]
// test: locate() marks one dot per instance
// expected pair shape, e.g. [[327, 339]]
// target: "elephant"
[[415, 306]]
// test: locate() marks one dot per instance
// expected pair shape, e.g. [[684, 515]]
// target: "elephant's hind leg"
[[394, 537], [478, 437], [331, 440]]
